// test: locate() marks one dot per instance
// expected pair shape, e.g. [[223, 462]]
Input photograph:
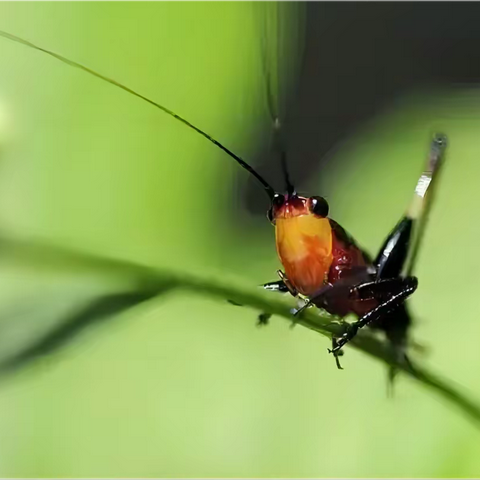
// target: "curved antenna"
[[280, 29], [283, 158], [270, 191]]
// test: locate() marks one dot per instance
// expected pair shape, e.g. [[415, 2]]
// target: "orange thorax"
[[304, 245]]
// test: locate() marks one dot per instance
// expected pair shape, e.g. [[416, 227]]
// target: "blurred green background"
[[187, 386]]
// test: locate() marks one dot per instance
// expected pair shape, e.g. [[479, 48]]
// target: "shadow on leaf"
[[97, 311]]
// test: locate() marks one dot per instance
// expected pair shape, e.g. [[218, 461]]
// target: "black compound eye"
[[278, 200], [319, 206]]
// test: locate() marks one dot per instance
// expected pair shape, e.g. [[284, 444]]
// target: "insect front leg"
[[277, 286], [282, 286], [391, 293], [316, 297]]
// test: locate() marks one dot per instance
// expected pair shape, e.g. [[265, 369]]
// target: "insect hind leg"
[[398, 253], [399, 290]]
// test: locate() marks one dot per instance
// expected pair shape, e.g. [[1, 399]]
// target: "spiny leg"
[[282, 286], [409, 285], [336, 353], [283, 278], [314, 298], [329, 292], [277, 286], [398, 254]]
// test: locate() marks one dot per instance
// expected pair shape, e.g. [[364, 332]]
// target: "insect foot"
[[344, 339], [263, 319], [336, 353], [302, 305]]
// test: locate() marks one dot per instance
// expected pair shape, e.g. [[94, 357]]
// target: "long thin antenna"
[[271, 54], [283, 159], [270, 191]]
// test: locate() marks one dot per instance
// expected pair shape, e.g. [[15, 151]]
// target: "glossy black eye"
[[319, 206], [278, 200]]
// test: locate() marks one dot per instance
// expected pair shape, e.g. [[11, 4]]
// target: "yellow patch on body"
[[304, 245]]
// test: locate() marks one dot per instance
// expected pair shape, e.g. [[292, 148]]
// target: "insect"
[[321, 261]]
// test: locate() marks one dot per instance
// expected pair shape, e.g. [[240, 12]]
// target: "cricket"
[[322, 265]]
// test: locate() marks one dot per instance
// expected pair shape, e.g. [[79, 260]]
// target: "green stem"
[[150, 284], [315, 320]]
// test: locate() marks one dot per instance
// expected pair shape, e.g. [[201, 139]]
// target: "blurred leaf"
[[95, 311]]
